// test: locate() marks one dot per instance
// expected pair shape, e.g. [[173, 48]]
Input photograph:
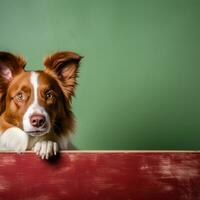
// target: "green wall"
[[140, 78]]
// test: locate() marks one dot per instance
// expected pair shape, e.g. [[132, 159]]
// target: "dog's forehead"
[[46, 81], [21, 79], [29, 79]]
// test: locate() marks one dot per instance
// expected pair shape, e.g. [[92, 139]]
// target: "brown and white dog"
[[35, 106]]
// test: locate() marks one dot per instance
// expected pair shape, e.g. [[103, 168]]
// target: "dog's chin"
[[36, 133]]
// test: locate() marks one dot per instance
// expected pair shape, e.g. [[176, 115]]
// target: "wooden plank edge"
[[114, 151]]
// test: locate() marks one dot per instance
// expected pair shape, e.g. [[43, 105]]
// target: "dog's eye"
[[20, 96], [48, 95]]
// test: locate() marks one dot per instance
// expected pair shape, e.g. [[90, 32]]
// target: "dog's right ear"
[[10, 66]]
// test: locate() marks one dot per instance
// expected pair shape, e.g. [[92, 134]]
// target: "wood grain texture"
[[101, 176]]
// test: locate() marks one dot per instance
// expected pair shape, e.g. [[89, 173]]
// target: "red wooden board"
[[101, 176]]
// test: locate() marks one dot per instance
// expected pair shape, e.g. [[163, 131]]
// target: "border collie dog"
[[35, 106]]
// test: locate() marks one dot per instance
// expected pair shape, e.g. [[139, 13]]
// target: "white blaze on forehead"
[[34, 82], [34, 107]]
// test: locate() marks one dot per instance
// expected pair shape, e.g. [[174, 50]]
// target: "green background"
[[139, 85]]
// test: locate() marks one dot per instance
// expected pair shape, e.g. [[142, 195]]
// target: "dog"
[[35, 106]]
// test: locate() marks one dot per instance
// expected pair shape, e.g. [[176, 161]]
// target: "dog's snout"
[[37, 120]]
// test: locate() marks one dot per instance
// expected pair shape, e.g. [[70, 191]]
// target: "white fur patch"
[[34, 107], [46, 149], [13, 139]]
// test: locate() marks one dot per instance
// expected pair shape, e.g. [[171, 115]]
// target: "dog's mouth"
[[36, 132]]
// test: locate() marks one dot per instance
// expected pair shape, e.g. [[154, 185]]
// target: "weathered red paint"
[[101, 176]]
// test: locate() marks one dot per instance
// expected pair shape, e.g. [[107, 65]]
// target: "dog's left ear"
[[65, 66]]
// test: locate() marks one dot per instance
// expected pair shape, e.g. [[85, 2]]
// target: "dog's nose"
[[37, 120]]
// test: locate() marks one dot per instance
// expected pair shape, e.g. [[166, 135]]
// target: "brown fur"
[[59, 76]]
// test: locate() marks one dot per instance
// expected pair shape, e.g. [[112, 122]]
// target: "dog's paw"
[[14, 139], [46, 149]]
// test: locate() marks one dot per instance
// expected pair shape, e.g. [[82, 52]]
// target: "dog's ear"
[[10, 66], [65, 66]]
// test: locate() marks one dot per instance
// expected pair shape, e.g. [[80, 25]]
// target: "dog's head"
[[38, 101]]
